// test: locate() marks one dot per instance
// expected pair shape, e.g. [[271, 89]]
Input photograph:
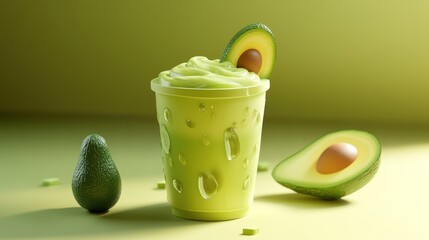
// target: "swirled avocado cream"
[[200, 72]]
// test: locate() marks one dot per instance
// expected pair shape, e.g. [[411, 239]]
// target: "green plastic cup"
[[210, 140]]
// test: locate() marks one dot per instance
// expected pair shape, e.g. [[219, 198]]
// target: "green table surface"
[[394, 205]]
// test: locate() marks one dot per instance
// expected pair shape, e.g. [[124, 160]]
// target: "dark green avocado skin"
[[337, 191], [96, 182]]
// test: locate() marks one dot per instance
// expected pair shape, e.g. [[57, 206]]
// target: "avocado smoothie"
[[210, 116]]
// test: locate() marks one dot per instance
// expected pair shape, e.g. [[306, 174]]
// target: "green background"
[[337, 60]]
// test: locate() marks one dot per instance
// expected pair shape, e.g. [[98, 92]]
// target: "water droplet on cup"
[[177, 185], [202, 107], [167, 115], [232, 143], [165, 139], [190, 124], [208, 186], [182, 160], [246, 184], [170, 161], [258, 118], [255, 113], [247, 112], [213, 114], [246, 162], [205, 139], [255, 150], [244, 122]]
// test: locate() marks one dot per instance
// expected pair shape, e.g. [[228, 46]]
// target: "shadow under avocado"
[[77, 222], [301, 201]]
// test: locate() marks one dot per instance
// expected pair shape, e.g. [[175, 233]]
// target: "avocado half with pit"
[[252, 48], [333, 166]]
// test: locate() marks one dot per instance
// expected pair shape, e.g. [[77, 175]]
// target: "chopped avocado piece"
[[96, 182], [263, 166], [50, 182], [250, 231], [253, 48], [161, 184], [333, 166]]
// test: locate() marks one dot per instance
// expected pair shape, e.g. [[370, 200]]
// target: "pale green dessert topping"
[[200, 72]]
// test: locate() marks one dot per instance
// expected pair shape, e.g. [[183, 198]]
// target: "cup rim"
[[245, 91]]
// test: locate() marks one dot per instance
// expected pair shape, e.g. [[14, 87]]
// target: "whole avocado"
[[96, 182]]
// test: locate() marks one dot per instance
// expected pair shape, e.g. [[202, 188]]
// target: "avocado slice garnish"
[[252, 48]]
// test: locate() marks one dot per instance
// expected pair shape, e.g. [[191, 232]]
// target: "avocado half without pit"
[[333, 166], [252, 48]]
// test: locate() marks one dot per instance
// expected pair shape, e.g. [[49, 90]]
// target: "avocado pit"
[[251, 60], [336, 158]]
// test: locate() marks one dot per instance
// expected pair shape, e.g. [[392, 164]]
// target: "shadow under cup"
[[210, 140]]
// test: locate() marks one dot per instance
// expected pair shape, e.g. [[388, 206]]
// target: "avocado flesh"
[[298, 172], [253, 36]]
